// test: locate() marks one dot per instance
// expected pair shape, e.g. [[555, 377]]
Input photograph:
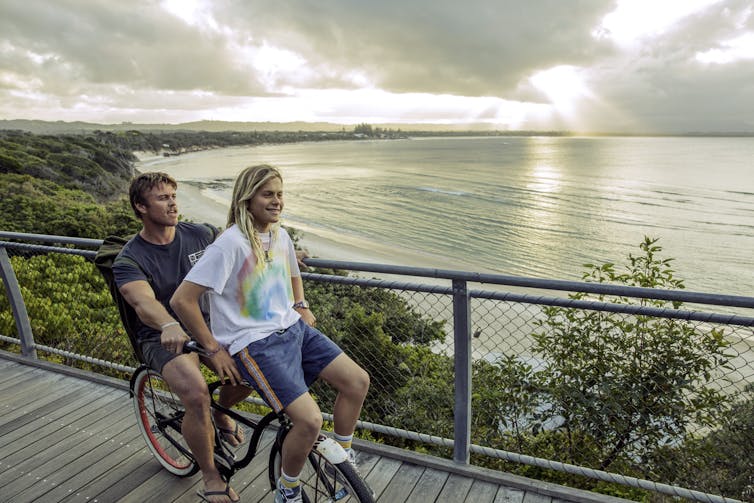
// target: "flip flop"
[[230, 436], [204, 495]]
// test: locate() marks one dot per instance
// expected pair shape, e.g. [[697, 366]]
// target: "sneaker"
[[286, 495]]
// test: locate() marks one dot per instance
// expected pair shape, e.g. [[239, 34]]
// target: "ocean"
[[524, 206]]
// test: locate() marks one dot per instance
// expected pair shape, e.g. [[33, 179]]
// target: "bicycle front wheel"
[[323, 481], [159, 414]]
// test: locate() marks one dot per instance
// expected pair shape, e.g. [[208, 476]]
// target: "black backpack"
[[104, 259]]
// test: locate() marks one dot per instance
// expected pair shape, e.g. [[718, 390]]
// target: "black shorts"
[[154, 353]]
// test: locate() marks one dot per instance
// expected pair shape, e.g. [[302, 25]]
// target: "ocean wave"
[[443, 191]]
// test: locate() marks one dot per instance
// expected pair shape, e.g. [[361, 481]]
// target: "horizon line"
[[472, 127]]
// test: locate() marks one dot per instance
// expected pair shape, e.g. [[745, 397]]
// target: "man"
[[165, 250]]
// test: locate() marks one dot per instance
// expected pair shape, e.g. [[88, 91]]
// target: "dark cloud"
[[472, 48], [126, 43], [137, 56]]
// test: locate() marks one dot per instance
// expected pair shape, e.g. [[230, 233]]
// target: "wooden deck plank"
[[455, 489], [33, 397], [162, 486], [99, 461], [56, 454], [429, 485], [38, 401], [508, 495], [122, 459], [16, 454], [13, 377], [68, 435], [481, 492], [30, 423], [532, 497], [45, 439], [61, 467], [13, 374], [121, 480], [381, 474], [19, 379], [402, 483], [366, 462]]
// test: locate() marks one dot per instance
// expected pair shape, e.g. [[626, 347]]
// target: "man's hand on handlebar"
[[173, 338]]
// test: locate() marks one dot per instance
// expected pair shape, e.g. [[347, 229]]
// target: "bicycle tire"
[[158, 415], [323, 481]]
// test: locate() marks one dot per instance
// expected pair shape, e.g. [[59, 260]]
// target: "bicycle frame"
[[229, 464], [329, 475]]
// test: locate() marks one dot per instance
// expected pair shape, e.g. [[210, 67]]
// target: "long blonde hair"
[[248, 183]]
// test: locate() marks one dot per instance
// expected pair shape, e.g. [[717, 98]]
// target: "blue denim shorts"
[[283, 365]]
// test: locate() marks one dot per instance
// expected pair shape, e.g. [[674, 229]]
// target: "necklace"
[[267, 257]]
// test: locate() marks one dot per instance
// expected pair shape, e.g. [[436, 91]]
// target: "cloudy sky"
[[581, 65]]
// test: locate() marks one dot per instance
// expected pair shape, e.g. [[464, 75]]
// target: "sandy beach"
[[194, 206], [198, 208]]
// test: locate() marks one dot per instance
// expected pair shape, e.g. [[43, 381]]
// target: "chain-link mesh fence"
[[603, 393]]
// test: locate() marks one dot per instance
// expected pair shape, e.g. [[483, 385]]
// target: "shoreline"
[[193, 205]]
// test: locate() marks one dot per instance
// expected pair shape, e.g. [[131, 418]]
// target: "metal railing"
[[451, 366]]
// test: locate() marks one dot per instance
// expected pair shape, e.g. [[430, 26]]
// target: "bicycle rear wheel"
[[323, 481], [159, 415]]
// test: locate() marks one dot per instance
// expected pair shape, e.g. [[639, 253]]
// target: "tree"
[[721, 462], [365, 129], [40, 206], [381, 332], [631, 384], [69, 308]]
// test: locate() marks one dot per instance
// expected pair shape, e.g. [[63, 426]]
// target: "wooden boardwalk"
[[67, 435]]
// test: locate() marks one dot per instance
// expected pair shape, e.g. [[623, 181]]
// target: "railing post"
[[462, 362], [13, 291]]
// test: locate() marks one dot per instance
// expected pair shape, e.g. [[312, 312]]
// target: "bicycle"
[[328, 476]]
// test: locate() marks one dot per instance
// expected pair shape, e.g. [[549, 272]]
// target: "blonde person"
[[262, 328]]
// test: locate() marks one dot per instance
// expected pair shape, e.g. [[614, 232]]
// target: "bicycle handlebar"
[[194, 347]]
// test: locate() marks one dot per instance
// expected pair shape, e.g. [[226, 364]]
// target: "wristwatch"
[[302, 304]]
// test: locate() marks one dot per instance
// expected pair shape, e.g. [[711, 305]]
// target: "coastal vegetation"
[[617, 393]]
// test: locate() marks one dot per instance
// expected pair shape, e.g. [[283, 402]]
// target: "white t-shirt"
[[247, 303]]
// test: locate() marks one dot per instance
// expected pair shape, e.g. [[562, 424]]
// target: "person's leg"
[[273, 365], [352, 384], [307, 423], [185, 379], [229, 396]]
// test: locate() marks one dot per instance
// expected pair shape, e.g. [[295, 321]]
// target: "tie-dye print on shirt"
[[261, 290]]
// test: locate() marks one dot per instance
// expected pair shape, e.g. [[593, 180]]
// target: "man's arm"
[[151, 312], [185, 303]]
